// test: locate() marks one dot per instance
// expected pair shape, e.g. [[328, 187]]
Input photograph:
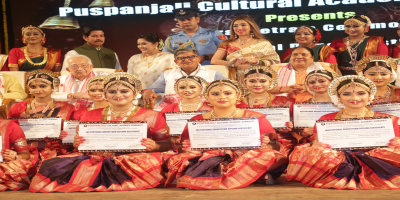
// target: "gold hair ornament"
[[43, 75], [31, 27], [203, 83], [273, 79], [96, 80], [239, 89], [130, 81]]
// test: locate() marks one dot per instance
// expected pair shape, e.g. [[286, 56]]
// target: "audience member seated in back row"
[[73, 85], [93, 48], [189, 64]]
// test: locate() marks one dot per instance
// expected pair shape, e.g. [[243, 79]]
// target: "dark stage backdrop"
[[130, 18]]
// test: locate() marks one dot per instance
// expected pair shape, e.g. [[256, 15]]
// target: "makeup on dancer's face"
[[33, 35], [257, 84], [96, 91], [40, 88], [354, 97], [188, 88], [353, 29], [222, 96], [318, 83], [379, 74], [119, 93], [303, 36]]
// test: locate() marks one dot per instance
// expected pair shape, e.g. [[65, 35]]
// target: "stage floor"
[[281, 190]]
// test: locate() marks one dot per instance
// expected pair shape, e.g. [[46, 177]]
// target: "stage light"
[[102, 3], [57, 22]]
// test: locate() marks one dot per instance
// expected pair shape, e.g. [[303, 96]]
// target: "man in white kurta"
[[73, 85]]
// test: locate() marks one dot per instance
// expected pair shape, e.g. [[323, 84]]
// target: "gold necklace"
[[37, 115], [384, 97], [361, 114], [233, 114], [254, 101], [120, 114], [189, 106], [31, 62], [149, 64]]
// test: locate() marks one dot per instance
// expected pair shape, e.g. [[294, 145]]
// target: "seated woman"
[[15, 167], [307, 36], [41, 84], [258, 81], [189, 88], [382, 70], [227, 169], [149, 65], [245, 48], [111, 171], [291, 77], [95, 90], [356, 45], [317, 83], [34, 56], [319, 166]]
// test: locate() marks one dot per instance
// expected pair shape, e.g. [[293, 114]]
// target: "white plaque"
[[177, 121], [276, 116], [234, 133], [70, 127], [388, 108], [112, 136], [306, 114], [39, 128], [353, 134]]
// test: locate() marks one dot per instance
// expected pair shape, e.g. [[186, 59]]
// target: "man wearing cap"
[[100, 56], [205, 41]]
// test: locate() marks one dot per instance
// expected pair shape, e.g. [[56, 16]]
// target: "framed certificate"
[[306, 114], [176, 121], [233, 133], [388, 108], [112, 136], [70, 127], [356, 134], [276, 116], [39, 128]]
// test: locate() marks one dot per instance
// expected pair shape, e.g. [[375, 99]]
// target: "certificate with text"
[[388, 108], [356, 134], [306, 114], [39, 128], [276, 116], [70, 127], [176, 121], [112, 136], [233, 133]]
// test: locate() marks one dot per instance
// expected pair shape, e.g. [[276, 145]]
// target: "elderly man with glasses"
[[189, 64], [73, 85]]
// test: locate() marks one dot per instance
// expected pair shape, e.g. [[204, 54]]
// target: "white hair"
[[80, 56]]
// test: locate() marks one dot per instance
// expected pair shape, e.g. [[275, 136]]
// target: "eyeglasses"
[[187, 57], [83, 66]]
